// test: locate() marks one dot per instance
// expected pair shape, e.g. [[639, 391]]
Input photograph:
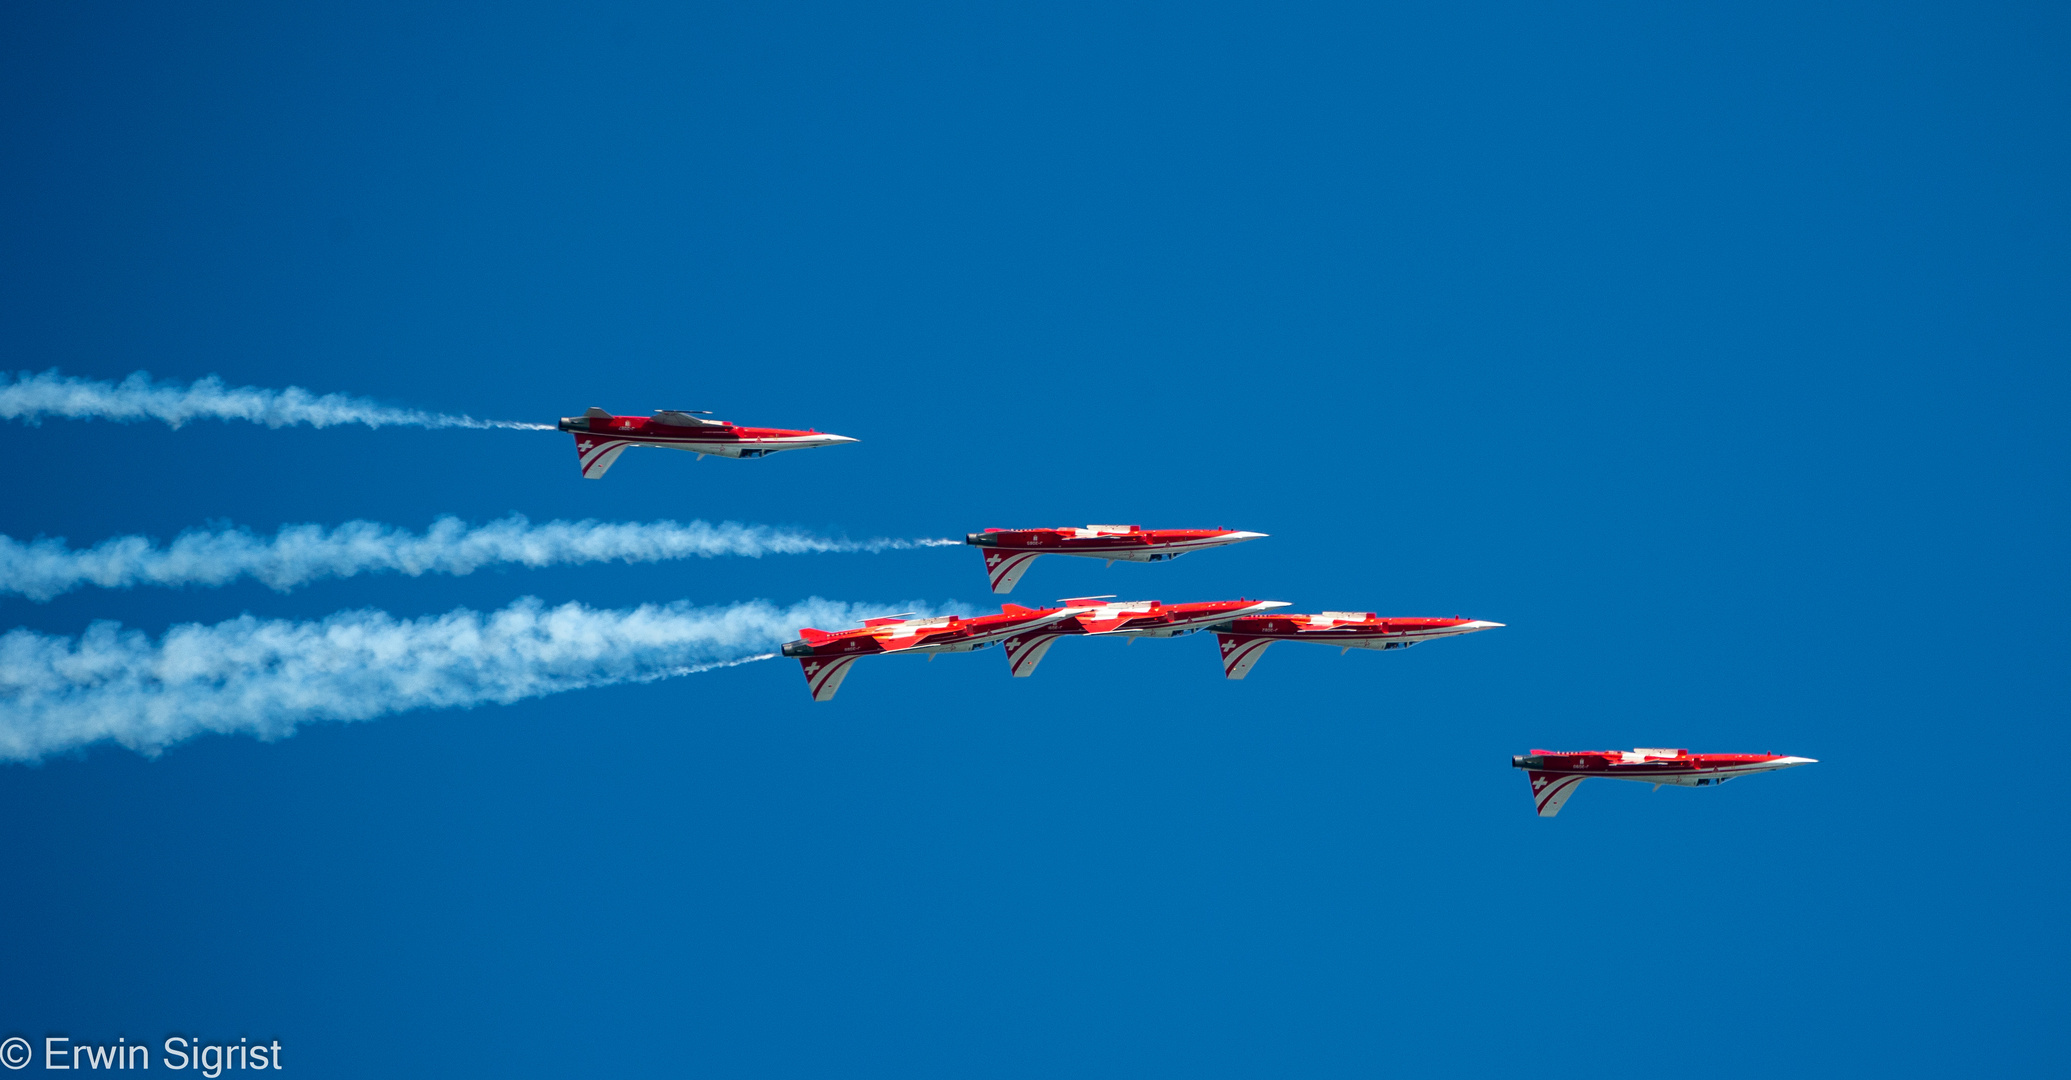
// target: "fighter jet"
[[1008, 552], [1244, 640], [826, 657], [601, 437], [1128, 620], [1555, 774]]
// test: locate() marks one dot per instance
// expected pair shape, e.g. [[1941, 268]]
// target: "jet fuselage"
[[600, 437]]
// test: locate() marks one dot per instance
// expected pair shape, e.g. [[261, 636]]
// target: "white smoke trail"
[[32, 397], [298, 554], [265, 676]]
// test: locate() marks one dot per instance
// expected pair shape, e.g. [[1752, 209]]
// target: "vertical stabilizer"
[[1025, 651], [823, 674], [1006, 567], [595, 454], [1240, 653], [1550, 791]]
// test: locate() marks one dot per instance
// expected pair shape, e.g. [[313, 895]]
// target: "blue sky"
[[1717, 350]]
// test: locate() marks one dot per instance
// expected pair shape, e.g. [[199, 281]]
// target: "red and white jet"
[[826, 657], [1008, 552], [1555, 774], [1244, 640], [601, 437], [1130, 620]]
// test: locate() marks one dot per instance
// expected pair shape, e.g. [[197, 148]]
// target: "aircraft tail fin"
[[1025, 651], [1006, 567], [595, 454], [1550, 791], [823, 675], [1240, 653]]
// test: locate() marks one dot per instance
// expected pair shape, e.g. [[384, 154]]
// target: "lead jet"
[[1244, 640], [1128, 620], [601, 437], [1555, 774], [827, 656], [1008, 552]]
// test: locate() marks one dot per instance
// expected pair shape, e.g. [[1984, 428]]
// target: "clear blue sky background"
[[1719, 350]]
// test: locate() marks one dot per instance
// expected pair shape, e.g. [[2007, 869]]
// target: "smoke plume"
[[33, 397], [297, 554], [264, 677]]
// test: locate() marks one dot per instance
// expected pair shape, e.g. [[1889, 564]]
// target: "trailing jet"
[[826, 657], [601, 437], [1129, 620], [1556, 774], [1008, 552], [1244, 640]]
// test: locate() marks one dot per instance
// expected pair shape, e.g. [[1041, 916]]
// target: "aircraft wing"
[[914, 640], [1109, 626], [679, 418]]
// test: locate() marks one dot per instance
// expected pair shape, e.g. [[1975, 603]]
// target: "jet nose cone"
[[1245, 536], [1482, 624], [836, 439], [1264, 604], [1787, 762]]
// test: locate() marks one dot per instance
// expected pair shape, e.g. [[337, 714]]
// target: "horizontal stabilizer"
[[1240, 653], [1550, 791], [1006, 567], [815, 636]]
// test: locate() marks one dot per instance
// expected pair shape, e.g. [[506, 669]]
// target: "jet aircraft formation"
[[1243, 628]]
